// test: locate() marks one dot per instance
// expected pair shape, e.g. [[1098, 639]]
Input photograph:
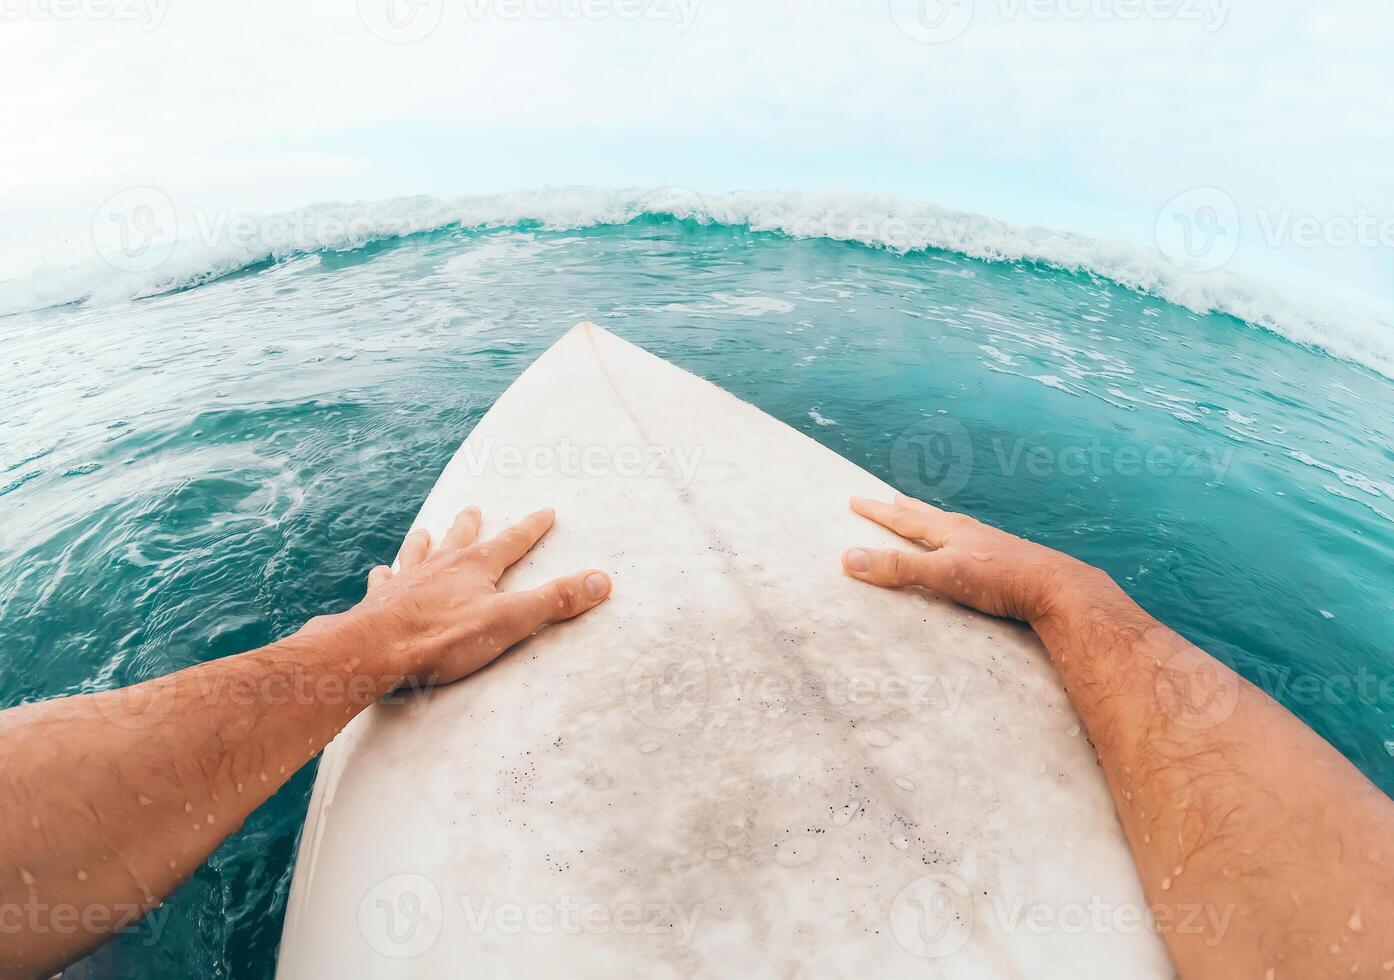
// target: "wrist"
[[1073, 591], [370, 642]]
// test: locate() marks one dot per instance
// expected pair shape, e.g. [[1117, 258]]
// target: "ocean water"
[[196, 459]]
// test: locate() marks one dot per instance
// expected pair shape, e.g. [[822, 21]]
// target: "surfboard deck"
[[744, 764]]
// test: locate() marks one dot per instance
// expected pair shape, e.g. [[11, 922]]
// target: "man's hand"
[[1241, 820], [155, 777], [973, 564], [441, 609]]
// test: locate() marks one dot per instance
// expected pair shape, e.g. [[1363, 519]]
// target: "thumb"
[[890, 567]]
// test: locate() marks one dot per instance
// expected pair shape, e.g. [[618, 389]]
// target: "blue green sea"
[[192, 468]]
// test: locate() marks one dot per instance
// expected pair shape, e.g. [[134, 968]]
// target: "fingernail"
[[597, 585], [859, 560]]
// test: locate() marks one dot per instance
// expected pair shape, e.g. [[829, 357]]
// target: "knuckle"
[[566, 598], [894, 564], [908, 568]]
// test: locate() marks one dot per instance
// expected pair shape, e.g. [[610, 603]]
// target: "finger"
[[414, 549], [378, 576], [891, 567], [520, 614], [923, 522], [924, 507], [465, 530], [506, 547]]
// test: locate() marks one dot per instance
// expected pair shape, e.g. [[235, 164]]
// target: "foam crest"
[[211, 247]]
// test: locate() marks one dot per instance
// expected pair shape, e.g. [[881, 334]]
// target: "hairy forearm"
[[111, 800], [1263, 852], [1259, 846]]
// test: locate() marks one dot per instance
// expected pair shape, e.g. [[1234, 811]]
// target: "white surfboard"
[[744, 764]]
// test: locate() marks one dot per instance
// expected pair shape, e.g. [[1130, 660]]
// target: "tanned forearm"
[[113, 799], [108, 801], [1262, 851], [1264, 842]]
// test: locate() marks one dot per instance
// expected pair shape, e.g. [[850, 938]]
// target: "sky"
[[1260, 128]]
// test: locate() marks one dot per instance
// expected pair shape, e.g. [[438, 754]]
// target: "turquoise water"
[[191, 475]]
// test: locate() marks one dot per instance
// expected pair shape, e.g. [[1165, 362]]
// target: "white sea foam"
[[215, 246]]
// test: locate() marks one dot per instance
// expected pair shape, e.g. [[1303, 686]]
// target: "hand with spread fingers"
[[441, 607], [970, 562], [171, 766]]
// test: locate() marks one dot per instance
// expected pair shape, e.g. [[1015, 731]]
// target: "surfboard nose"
[[585, 326]]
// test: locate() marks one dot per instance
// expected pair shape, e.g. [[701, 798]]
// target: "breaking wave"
[[208, 246]]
